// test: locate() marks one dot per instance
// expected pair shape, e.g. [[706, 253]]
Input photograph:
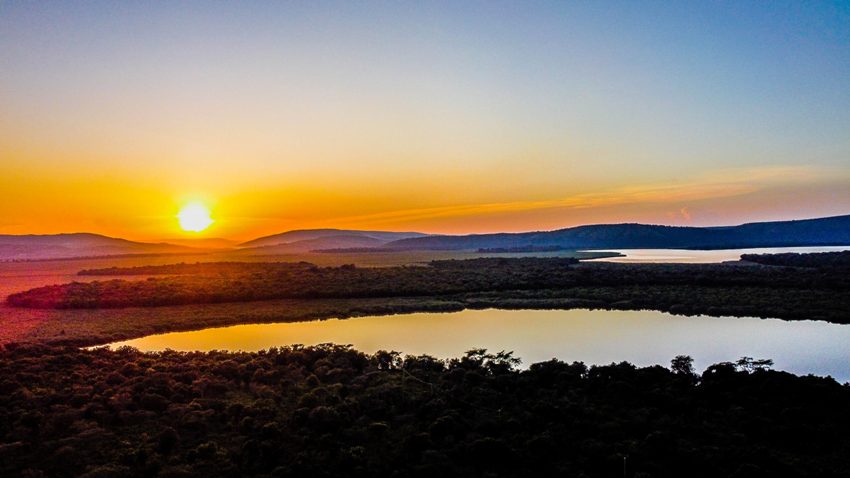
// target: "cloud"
[[716, 184]]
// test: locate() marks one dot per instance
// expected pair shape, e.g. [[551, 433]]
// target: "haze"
[[448, 118]]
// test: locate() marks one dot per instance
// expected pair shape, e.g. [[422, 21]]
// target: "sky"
[[442, 117]]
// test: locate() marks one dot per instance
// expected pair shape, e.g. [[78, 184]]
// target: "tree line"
[[829, 260]]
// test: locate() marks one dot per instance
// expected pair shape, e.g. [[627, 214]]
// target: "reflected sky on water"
[[594, 337]]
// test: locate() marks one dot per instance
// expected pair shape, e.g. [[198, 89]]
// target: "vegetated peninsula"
[[831, 260], [820, 292]]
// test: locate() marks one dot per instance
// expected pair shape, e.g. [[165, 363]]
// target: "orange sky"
[[129, 209], [452, 120]]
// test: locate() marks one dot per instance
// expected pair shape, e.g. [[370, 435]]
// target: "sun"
[[194, 217]]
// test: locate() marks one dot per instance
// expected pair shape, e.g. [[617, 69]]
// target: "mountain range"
[[60, 246], [807, 232]]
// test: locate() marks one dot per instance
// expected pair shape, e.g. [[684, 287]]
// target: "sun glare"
[[194, 217]]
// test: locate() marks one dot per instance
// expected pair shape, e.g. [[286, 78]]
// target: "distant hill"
[[203, 242], [310, 234], [807, 232], [342, 241], [57, 246]]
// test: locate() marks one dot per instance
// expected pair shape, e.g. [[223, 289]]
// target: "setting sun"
[[194, 217]]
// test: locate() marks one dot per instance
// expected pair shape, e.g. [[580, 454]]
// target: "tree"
[[749, 364], [683, 365]]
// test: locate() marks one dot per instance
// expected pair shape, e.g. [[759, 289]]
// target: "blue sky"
[[444, 116]]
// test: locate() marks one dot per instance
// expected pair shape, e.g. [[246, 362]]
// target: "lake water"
[[704, 257], [594, 337]]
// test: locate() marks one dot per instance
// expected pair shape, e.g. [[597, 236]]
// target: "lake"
[[688, 256], [592, 336]]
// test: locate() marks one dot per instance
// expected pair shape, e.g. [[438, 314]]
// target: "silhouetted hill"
[[308, 234], [203, 242], [326, 242], [56, 246], [808, 232]]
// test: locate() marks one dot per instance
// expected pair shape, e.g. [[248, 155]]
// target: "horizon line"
[[240, 241]]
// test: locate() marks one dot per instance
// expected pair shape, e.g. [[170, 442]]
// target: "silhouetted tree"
[[683, 365], [749, 364]]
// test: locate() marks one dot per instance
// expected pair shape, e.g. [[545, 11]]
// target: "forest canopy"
[[331, 411]]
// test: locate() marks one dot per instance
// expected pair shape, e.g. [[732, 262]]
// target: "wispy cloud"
[[712, 185]]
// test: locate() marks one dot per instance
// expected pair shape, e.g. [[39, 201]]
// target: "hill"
[[807, 232], [289, 237], [203, 242], [57, 246], [319, 243]]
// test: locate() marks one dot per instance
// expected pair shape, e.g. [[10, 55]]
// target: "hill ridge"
[[834, 230]]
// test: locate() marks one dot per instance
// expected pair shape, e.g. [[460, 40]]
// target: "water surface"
[[594, 337], [688, 256]]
